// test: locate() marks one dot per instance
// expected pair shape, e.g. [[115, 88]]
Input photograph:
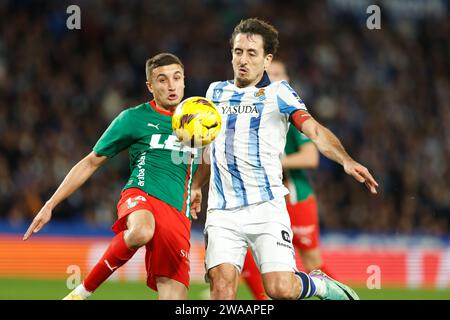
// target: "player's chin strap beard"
[[240, 83]]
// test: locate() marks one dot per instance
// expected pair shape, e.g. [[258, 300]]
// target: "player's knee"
[[139, 236], [223, 287], [169, 289], [172, 295], [281, 289]]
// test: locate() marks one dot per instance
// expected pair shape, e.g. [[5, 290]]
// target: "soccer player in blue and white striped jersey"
[[246, 205], [245, 158]]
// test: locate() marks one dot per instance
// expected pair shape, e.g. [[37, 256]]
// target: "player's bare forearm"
[[306, 158], [327, 143], [330, 146], [201, 176], [76, 177]]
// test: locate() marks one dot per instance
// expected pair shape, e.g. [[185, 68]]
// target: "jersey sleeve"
[[288, 100], [117, 137], [209, 92]]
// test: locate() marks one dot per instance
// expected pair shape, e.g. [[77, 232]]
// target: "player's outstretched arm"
[[330, 146], [74, 179]]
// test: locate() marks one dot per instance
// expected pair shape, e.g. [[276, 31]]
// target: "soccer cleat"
[[334, 289], [73, 296], [79, 293]]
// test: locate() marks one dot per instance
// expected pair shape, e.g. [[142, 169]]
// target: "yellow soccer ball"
[[196, 122]]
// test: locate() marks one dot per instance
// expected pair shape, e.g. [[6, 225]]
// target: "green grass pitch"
[[29, 289]]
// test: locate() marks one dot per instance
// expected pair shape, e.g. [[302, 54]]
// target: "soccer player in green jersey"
[[153, 209], [301, 202]]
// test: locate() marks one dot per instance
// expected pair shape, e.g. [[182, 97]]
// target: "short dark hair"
[[161, 59], [264, 29]]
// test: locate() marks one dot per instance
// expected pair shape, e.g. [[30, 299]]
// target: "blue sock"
[[308, 287]]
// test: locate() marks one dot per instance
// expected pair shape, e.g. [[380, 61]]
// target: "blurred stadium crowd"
[[385, 93]]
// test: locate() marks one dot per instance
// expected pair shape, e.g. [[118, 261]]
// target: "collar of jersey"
[[264, 82], [161, 111]]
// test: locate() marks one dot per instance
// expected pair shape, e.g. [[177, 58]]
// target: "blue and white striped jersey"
[[245, 157]]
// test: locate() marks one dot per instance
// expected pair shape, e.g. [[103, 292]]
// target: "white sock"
[[321, 288], [81, 290]]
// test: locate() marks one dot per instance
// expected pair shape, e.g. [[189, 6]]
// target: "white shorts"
[[265, 226]]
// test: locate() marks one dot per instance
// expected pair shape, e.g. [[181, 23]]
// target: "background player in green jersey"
[[301, 203], [153, 209]]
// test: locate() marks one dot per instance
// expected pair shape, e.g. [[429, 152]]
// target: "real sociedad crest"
[[261, 94]]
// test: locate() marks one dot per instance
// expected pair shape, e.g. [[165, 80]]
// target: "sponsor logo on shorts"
[[283, 245], [304, 230], [306, 241], [185, 254], [285, 236], [131, 203]]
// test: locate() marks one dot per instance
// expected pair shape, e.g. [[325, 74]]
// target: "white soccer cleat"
[[79, 293]]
